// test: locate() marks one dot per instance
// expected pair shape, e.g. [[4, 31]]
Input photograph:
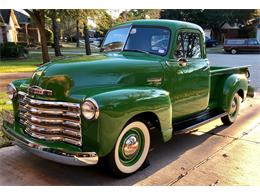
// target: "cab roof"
[[172, 24]]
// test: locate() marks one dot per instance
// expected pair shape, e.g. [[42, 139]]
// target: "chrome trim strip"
[[76, 159], [53, 137], [55, 122], [49, 103], [57, 112]]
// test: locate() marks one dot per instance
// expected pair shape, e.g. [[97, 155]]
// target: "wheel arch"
[[119, 107], [235, 83]]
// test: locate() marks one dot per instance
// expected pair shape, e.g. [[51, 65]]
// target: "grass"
[[30, 64], [4, 141]]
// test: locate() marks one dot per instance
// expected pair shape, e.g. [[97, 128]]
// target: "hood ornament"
[[36, 90]]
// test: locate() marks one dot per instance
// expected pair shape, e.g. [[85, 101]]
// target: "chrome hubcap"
[[233, 107], [131, 146]]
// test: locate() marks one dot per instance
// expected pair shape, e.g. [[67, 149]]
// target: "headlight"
[[90, 109], [11, 91]]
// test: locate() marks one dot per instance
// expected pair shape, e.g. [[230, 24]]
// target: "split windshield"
[[153, 40]]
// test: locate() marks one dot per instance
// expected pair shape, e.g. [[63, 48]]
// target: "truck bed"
[[218, 77]]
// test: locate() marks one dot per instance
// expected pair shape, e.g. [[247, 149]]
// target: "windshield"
[[116, 39], [153, 40]]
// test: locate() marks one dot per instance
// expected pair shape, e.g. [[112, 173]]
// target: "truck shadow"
[[162, 154]]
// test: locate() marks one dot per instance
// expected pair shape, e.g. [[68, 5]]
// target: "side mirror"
[[182, 62]]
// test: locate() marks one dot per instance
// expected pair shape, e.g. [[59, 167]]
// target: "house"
[[250, 30], [9, 26], [230, 31], [16, 27]]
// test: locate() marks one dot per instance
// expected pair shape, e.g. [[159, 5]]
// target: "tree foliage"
[[211, 18], [135, 14]]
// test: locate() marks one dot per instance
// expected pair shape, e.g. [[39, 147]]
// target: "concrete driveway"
[[212, 155]]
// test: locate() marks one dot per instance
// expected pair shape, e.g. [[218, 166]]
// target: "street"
[[213, 154], [239, 60]]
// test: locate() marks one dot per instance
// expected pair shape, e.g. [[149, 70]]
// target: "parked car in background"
[[241, 45], [210, 42], [96, 41]]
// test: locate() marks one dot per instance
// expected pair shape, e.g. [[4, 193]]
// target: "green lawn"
[[4, 141], [30, 64]]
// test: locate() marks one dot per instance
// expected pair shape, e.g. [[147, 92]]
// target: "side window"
[[252, 42], [188, 45]]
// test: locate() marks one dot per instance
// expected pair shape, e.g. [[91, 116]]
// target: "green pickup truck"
[[150, 75]]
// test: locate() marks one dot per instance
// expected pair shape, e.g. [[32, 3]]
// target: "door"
[[189, 72], [253, 45]]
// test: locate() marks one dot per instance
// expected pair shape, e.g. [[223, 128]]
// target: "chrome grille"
[[50, 120]]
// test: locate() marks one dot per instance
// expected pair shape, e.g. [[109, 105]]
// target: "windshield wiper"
[[137, 50]]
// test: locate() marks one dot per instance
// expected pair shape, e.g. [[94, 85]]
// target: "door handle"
[[182, 62]]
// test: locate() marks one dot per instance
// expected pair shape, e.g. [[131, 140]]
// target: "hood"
[[87, 75]]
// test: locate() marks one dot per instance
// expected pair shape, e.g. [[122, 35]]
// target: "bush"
[[12, 50]]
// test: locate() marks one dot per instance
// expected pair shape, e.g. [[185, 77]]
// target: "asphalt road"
[[239, 60]]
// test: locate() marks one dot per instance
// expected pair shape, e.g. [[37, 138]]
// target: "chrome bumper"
[[76, 159]]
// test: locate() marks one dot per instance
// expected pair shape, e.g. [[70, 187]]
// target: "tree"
[[103, 21], [55, 28], [86, 39], [135, 14], [38, 15], [212, 18], [81, 17]]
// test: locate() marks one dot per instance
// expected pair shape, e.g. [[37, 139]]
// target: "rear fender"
[[232, 85]]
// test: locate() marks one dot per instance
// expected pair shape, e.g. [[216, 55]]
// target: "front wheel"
[[131, 149], [233, 111]]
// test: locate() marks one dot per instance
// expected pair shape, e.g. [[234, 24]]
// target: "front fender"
[[232, 85], [119, 106]]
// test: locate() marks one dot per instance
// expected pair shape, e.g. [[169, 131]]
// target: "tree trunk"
[[77, 35], [55, 29], [38, 17], [45, 54], [86, 38]]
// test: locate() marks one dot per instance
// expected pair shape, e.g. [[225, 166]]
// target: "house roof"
[[5, 13], [21, 18]]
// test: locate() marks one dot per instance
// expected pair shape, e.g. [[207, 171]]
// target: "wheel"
[[233, 111], [233, 51], [131, 149]]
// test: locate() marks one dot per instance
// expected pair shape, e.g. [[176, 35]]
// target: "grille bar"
[[50, 120]]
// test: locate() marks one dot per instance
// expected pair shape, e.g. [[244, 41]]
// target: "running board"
[[179, 129]]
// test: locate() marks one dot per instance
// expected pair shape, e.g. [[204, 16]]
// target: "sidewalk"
[[6, 78]]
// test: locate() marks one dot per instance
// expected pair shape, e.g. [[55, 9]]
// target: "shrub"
[[12, 50]]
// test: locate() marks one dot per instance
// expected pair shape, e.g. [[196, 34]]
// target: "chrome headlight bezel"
[[90, 109], [11, 91]]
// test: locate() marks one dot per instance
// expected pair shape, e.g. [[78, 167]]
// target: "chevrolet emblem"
[[39, 91]]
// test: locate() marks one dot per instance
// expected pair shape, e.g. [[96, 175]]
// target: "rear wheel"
[[233, 111], [233, 51], [131, 149]]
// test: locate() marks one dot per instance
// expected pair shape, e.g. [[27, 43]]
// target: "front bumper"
[[76, 159]]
